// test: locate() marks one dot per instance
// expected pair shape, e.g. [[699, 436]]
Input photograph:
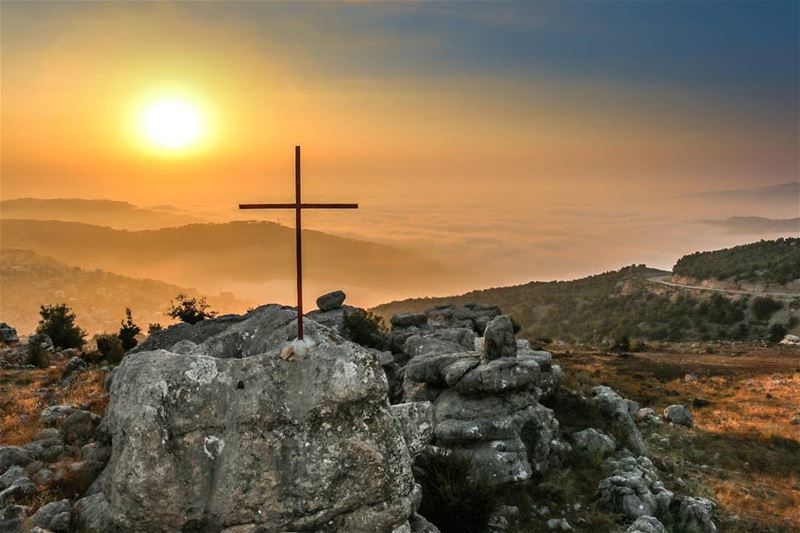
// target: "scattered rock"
[[407, 320], [617, 411], [646, 524], [792, 340], [13, 455], [695, 514], [78, 428], [634, 489], [594, 442], [330, 301], [558, 524], [498, 339], [12, 518], [56, 414], [74, 366], [648, 417], [8, 335], [678, 414], [54, 516], [21, 488]]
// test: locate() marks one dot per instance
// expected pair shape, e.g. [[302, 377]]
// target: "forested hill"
[[623, 305], [775, 261]]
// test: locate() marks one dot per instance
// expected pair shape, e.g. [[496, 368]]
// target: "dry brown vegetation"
[[744, 451], [25, 392]]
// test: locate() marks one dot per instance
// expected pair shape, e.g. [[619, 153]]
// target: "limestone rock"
[[54, 516], [405, 320], [695, 514], [498, 338], [330, 301], [499, 375], [679, 414], [8, 335], [12, 518], [594, 442], [646, 524], [416, 423], [12, 456], [79, 427], [74, 366], [248, 441], [617, 410], [634, 489]]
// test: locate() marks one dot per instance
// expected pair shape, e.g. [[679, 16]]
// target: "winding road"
[[662, 280]]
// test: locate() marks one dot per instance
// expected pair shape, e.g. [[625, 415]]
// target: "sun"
[[172, 124]]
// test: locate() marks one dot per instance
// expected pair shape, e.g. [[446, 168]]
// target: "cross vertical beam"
[[298, 243], [298, 206]]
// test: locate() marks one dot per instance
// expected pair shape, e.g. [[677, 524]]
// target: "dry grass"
[[25, 392], [744, 451]]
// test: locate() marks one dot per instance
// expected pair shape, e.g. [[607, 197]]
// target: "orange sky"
[[525, 109]]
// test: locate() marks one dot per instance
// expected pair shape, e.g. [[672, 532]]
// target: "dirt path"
[[662, 280]]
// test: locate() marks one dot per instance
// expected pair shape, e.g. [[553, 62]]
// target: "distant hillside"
[[757, 225], [617, 305], [781, 193], [109, 213], [210, 256], [98, 298], [776, 261]]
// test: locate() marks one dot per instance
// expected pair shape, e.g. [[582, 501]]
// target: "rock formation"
[[213, 429]]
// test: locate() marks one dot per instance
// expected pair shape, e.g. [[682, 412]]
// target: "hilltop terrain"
[[618, 306], [99, 298], [110, 213], [251, 258]]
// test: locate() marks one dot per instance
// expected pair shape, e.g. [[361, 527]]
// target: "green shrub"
[[365, 328], [58, 323], [776, 332], [128, 331], [763, 307], [110, 347], [455, 497], [153, 327], [190, 310]]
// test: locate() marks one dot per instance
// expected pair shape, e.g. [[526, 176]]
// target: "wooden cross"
[[298, 207]]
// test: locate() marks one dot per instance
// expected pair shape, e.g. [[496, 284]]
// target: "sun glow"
[[172, 124]]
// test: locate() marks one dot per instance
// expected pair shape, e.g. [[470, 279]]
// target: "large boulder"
[[282, 440], [498, 338], [619, 412], [406, 320], [54, 516], [594, 442]]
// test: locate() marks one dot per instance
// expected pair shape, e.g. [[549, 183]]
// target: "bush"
[[777, 332], [455, 497], [190, 310], [763, 307], [58, 323], [365, 328], [153, 327], [128, 331], [110, 347]]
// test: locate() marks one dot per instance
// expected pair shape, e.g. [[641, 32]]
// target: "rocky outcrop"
[[498, 338], [646, 524], [634, 489], [232, 436], [619, 413], [593, 442], [486, 408], [8, 335]]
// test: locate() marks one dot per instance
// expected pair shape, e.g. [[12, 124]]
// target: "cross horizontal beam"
[[296, 206]]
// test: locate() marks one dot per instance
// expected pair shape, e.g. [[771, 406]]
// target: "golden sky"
[[465, 109]]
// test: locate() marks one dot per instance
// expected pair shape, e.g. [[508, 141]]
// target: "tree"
[[365, 328], [190, 310], [763, 307], [153, 327], [110, 347], [128, 331], [58, 323]]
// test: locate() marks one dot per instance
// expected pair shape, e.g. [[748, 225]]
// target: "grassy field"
[[744, 450]]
